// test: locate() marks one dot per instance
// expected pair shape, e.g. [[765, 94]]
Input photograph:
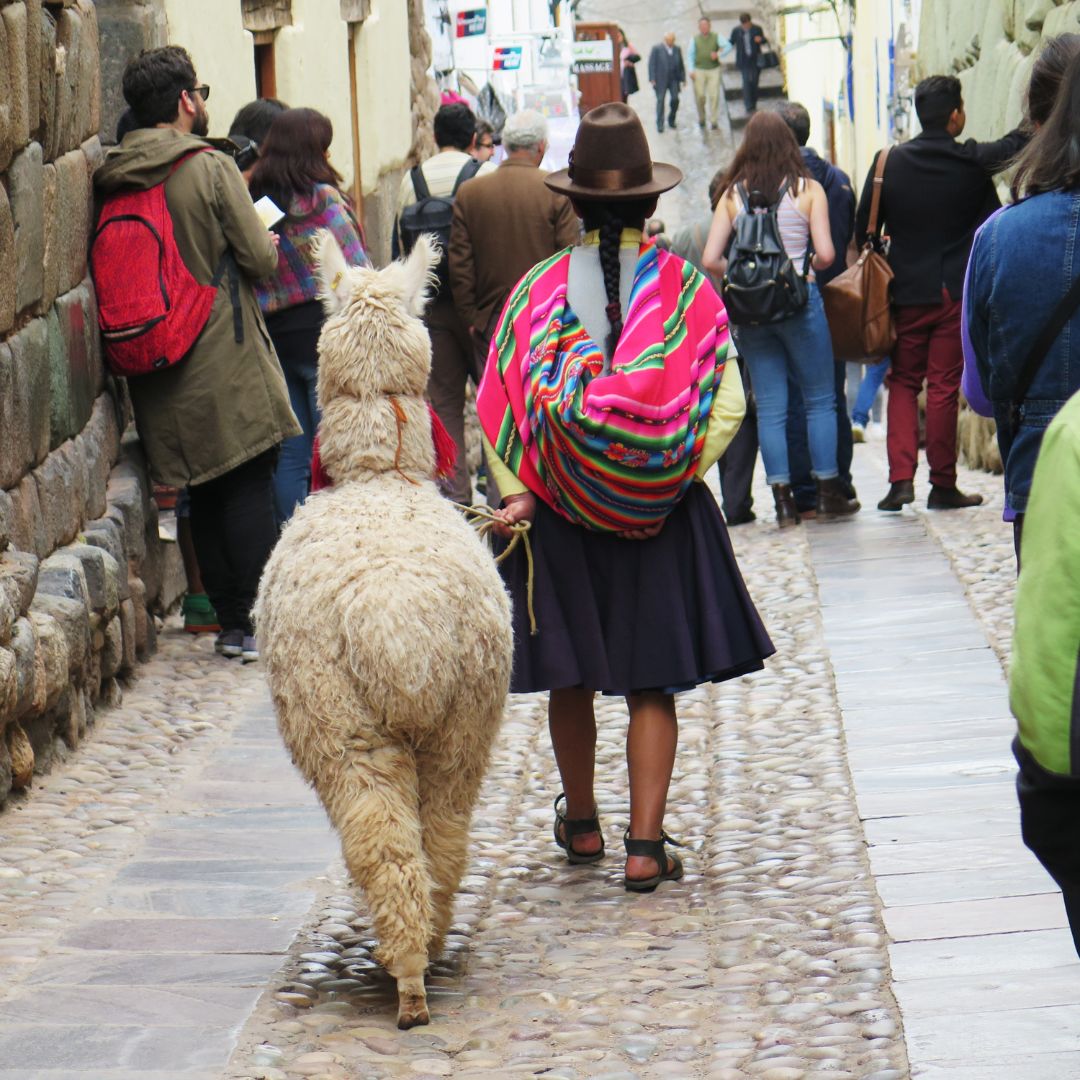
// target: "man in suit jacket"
[[747, 39], [504, 224], [667, 73], [937, 191]]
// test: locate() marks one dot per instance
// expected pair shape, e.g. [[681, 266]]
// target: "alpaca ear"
[[420, 272], [332, 272]]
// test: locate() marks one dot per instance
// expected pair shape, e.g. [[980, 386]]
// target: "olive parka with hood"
[[225, 402]]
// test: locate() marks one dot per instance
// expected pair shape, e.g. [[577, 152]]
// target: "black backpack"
[[432, 215], [762, 285]]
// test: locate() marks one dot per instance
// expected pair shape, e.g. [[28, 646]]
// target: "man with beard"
[[213, 420]]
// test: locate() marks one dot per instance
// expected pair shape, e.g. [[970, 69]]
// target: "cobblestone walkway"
[[172, 904]]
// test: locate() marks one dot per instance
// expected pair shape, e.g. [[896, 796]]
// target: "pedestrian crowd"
[[611, 372]]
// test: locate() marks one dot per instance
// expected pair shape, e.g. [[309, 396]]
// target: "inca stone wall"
[[80, 561], [990, 45]]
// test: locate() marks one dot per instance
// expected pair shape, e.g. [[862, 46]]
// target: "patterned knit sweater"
[[294, 282]]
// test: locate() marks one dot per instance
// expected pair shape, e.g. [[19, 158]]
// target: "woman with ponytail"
[[605, 400]]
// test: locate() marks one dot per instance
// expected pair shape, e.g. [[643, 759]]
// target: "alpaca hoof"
[[412, 1012]]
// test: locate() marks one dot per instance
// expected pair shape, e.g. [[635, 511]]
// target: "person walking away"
[[634, 595], [294, 170], [1022, 265], [705, 53], [667, 73], [443, 174], [746, 39], [841, 201], [628, 57], [214, 420], [936, 192], [1044, 673], [504, 224], [770, 164], [736, 464]]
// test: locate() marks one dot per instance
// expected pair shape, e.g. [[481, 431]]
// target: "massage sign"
[[593, 57]]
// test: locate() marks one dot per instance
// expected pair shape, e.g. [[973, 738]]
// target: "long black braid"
[[610, 218]]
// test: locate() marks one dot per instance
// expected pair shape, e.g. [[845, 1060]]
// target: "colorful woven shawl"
[[611, 451]]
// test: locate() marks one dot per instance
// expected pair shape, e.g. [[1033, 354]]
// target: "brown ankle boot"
[[833, 500], [787, 513]]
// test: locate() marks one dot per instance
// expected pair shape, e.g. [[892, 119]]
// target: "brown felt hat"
[[611, 159]]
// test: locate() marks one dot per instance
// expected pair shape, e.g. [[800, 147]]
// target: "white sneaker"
[[858, 433]]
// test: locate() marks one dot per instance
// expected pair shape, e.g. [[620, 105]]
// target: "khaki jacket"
[[225, 403], [504, 224]]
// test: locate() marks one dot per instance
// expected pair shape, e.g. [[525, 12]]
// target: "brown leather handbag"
[[857, 302]]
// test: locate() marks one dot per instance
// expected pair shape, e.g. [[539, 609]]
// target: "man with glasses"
[[212, 421], [484, 147]]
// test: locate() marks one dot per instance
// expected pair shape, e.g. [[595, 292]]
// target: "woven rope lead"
[[484, 521]]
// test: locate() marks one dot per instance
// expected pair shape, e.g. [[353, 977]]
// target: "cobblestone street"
[[188, 916]]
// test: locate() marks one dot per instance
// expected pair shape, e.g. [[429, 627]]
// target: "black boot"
[[950, 498], [787, 513], [900, 494], [833, 500]]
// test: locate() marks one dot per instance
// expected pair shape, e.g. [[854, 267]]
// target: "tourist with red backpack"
[[177, 246]]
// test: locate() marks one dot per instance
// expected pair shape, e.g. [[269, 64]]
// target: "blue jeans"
[[868, 391], [297, 349], [802, 348]]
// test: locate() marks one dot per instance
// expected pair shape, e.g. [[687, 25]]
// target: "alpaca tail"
[[373, 802]]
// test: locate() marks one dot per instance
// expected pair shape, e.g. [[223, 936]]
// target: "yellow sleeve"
[[725, 419], [505, 480]]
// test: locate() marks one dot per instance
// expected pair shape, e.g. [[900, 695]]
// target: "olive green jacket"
[[225, 402]]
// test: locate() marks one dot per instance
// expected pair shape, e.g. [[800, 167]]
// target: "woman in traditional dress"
[[605, 400]]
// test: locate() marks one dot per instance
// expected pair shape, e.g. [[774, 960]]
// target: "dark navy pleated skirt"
[[620, 616]]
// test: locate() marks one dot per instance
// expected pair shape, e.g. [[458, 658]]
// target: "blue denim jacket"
[[1022, 264]]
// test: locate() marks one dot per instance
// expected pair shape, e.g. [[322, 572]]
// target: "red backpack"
[[150, 308]]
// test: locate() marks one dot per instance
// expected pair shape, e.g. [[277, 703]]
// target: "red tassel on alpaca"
[[446, 451], [320, 478]]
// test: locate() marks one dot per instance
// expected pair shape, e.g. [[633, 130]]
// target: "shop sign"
[[471, 23], [507, 58], [590, 57]]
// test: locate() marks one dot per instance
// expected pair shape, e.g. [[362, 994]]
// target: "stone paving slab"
[[985, 976]]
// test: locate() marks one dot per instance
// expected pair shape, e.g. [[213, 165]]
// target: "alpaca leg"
[[372, 800], [446, 803]]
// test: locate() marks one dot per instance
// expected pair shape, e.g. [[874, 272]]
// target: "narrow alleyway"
[[172, 904]]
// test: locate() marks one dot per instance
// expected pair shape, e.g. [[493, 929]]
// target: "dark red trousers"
[[927, 349]]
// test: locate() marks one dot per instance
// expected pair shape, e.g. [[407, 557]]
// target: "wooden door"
[[598, 80]]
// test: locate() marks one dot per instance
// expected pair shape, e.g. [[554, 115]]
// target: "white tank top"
[[794, 227]]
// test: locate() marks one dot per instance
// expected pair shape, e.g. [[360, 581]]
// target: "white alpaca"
[[384, 625]]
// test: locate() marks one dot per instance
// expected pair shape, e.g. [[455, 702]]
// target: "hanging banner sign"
[[471, 23], [507, 58], [590, 57]]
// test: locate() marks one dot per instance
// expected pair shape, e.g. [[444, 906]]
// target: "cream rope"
[[484, 522]]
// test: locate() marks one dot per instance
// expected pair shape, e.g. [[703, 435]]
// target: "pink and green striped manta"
[[617, 450]]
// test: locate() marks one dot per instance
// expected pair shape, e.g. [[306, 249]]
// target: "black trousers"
[[750, 74], [234, 529], [661, 93], [1050, 825], [802, 483], [736, 467]]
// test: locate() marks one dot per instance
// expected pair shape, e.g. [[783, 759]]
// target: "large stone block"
[[7, 128], [30, 355], [71, 616], [16, 450], [79, 330], [8, 616], [54, 238], [102, 576], [5, 770], [127, 635], [87, 112], [112, 650], [18, 578], [9, 686], [48, 133], [108, 535], [61, 424], [97, 447], [14, 19], [74, 207], [125, 495], [26, 185], [27, 529], [29, 669], [33, 64], [61, 484], [9, 284], [53, 657]]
